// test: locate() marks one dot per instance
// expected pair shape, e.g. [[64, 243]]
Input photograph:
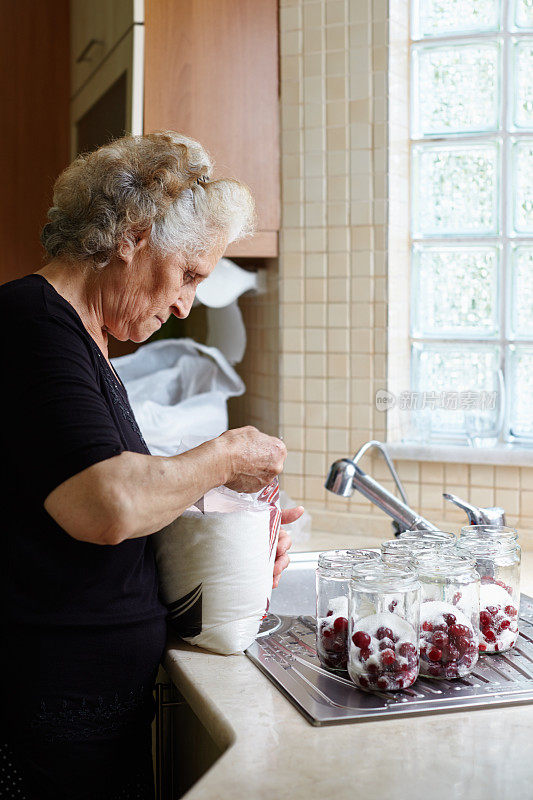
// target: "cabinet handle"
[[84, 55]]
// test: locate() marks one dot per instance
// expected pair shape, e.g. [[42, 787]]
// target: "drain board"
[[286, 654]]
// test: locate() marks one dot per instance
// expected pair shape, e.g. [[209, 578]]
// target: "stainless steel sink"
[[285, 652]]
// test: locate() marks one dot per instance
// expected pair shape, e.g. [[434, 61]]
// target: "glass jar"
[[496, 531], [398, 554], [498, 564], [396, 551], [449, 615], [384, 625], [332, 584], [429, 538]]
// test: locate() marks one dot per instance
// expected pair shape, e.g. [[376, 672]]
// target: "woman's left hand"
[[284, 542]]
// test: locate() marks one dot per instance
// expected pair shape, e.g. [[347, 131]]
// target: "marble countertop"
[[271, 751]]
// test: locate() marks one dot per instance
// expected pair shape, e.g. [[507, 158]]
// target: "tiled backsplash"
[[332, 263], [333, 275]]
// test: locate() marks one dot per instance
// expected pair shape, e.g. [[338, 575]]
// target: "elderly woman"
[[135, 227]]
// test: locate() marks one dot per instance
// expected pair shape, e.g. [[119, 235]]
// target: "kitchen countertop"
[[271, 751]]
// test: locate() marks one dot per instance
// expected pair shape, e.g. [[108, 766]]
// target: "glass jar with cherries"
[[449, 615], [332, 586], [384, 612], [498, 564]]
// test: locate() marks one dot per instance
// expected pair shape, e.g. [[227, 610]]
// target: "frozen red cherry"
[[340, 624], [440, 639], [452, 654], [388, 658], [484, 618], [459, 630], [427, 626], [384, 633], [361, 639], [435, 654], [407, 649]]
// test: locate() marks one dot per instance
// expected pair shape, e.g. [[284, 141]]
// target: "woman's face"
[[143, 291]]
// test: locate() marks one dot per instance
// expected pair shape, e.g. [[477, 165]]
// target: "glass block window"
[[471, 311]]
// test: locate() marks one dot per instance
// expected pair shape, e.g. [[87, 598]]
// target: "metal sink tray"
[[285, 652]]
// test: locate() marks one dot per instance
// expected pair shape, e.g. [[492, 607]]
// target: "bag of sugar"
[[215, 568]]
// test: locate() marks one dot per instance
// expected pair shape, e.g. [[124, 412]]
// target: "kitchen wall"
[[334, 278]]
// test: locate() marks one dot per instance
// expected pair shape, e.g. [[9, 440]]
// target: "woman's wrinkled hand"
[[284, 542], [254, 459]]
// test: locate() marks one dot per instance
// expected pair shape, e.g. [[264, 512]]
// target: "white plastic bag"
[[178, 389], [215, 569]]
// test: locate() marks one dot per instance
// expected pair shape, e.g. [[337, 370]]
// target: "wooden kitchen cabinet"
[[211, 72], [34, 95]]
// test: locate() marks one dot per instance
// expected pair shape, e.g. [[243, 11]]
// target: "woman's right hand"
[[254, 459]]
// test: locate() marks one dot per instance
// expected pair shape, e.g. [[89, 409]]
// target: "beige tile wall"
[[332, 264], [334, 281]]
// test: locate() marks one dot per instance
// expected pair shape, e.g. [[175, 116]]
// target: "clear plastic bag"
[[178, 388]]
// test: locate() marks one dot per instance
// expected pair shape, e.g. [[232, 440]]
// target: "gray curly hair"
[[159, 181]]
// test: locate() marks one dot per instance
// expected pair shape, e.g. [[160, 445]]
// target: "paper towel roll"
[[227, 282], [226, 331], [219, 292]]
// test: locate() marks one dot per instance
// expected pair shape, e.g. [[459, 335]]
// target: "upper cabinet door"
[[96, 28], [211, 72]]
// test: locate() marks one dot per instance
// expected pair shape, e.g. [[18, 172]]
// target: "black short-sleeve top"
[[62, 409]]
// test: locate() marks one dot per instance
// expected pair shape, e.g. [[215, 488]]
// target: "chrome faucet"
[[345, 475], [478, 516]]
